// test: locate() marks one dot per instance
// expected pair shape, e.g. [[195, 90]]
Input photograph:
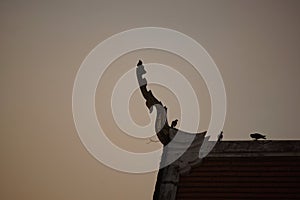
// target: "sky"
[[255, 45]]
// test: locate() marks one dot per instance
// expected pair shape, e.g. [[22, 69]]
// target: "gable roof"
[[234, 170]]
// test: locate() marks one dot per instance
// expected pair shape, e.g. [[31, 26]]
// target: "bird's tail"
[[264, 137]]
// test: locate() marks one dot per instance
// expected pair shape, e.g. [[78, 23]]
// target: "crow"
[[174, 123], [220, 137], [257, 136], [139, 63]]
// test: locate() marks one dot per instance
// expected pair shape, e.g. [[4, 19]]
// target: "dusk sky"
[[255, 45]]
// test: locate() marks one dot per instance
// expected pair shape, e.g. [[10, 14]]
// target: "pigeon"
[[139, 63], [174, 123], [220, 137], [257, 136], [165, 107]]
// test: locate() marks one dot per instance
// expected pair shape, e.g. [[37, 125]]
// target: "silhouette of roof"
[[235, 170]]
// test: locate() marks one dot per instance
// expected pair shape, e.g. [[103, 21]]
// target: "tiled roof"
[[234, 170], [242, 178]]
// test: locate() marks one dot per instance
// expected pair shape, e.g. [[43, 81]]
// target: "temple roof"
[[233, 169]]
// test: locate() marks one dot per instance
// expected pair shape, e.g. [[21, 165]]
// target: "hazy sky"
[[255, 44]]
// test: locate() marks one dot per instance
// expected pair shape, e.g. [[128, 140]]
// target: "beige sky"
[[255, 44]]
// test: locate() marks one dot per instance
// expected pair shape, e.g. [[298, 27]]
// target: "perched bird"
[[174, 123], [165, 107], [257, 136], [220, 137], [139, 63]]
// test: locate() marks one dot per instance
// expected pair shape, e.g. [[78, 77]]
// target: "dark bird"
[[174, 123], [220, 137], [139, 63], [165, 107], [257, 136]]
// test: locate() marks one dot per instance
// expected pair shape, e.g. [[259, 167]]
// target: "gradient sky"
[[255, 44]]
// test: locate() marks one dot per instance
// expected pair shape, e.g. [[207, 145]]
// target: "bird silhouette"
[[174, 123], [165, 107], [257, 136], [139, 63], [220, 137]]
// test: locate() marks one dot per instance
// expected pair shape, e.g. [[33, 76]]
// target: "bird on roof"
[[220, 137], [257, 136], [174, 123], [166, 109], [139, 63]]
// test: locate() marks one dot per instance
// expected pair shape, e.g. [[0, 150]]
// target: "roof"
[[233, 170], [257, 148]]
